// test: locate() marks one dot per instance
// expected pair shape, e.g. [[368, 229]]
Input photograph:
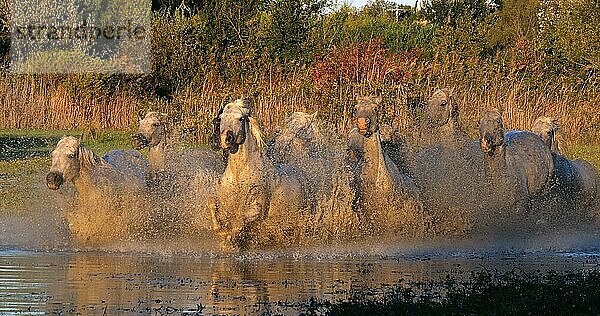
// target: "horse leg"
[[221, 228]]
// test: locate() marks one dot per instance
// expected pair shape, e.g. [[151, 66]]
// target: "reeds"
[[45, 103]]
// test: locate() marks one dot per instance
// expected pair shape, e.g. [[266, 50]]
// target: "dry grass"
[[44, 103], [35, 102]]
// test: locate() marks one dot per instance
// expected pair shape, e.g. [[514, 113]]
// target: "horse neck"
[[496, 166], [447, 129], [450, 128], [157, 155], [84, 183], [375, 165], [248, 156]]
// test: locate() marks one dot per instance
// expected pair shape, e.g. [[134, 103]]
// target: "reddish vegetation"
[[364, 62]]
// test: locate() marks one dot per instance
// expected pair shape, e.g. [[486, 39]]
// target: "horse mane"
[[551, 124], [256, 133], [87, 158]]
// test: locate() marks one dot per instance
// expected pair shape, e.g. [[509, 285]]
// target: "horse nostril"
[[54, 180], [229, 138], [489, 140]]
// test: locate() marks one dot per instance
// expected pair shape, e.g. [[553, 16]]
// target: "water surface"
[[98, 283]]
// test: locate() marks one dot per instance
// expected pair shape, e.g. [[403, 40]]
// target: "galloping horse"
[[255, 197], [110, 191]]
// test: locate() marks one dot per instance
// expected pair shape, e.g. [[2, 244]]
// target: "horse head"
[[491, 132], [365, 115], [153, 130]]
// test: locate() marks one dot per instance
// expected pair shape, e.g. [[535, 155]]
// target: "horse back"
[[129, 163], [530, 158]]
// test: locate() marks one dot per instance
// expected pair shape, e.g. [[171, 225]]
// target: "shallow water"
[[106, 283], [42, 272]]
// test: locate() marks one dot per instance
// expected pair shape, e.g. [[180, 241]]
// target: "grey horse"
[[518, 167], [451, 185], [300, 144], [181, 182], [320, 157], [575, 183], [387, 200], [440, 124], [110, 204], [256, 200], [155, 132], [443, 169]]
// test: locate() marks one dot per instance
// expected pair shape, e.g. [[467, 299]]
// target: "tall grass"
[[42, 102], [328, 86], [34, 105]]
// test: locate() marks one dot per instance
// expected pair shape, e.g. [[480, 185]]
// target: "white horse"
[[575, 182], [110, 191], [321, 158], [256, 200], [387, 200], [181, 182]]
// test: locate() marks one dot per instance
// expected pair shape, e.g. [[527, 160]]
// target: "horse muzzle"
[[227, 139], [363, 125], [139, 141], [228, 142], [487, 145], [54, 180]]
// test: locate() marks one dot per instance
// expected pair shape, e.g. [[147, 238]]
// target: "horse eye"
[[155, 124], [72, 155]]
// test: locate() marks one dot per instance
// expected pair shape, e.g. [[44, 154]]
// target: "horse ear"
[[378, 99], [163, 117], [448, 91], [215, 142]]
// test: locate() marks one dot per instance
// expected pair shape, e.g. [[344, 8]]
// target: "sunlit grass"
[[586, 152], [18, 178]]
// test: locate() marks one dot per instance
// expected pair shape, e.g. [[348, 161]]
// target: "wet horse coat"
[[181, 182], [387, 201], [110, 203], [255, 199]]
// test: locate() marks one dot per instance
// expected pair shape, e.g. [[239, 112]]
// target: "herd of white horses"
[[305, 186]]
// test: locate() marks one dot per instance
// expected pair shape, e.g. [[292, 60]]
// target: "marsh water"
[[103, 283], [42, 272]]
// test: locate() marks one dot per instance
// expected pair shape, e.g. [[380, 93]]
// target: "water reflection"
[[98, 283]]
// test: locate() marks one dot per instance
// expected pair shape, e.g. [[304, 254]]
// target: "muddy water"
[[103, 283]]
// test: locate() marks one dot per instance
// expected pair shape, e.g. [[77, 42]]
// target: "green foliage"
[[290, 51], [388, 9], [515, 23], [455, 13], [571, 30], [291, 24]]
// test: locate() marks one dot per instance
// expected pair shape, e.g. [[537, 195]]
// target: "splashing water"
[[182, 270]]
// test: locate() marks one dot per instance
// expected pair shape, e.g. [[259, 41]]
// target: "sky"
[[360, 3]]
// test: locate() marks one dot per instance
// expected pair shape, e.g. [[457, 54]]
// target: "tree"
[[292, 20], [455, 13]]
